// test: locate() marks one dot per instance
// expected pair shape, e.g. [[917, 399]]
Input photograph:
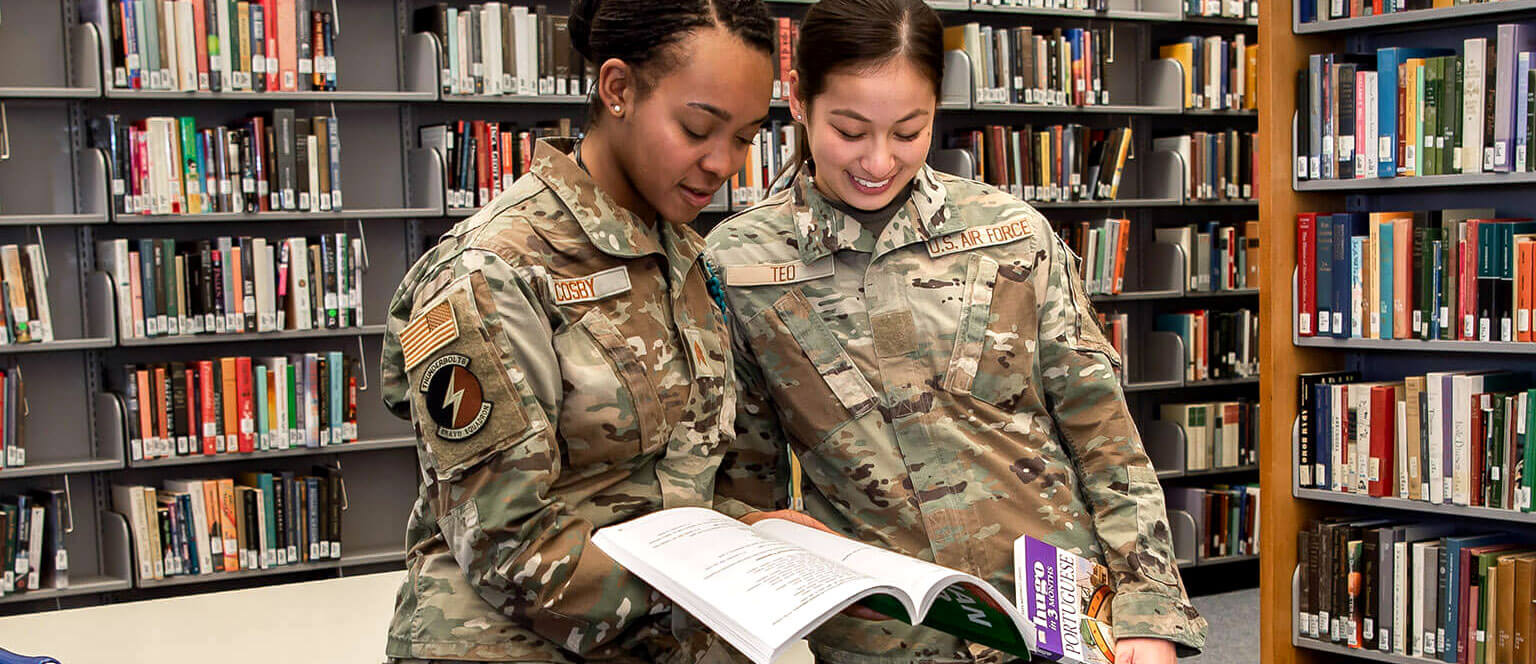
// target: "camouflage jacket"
[[946, 388], [565, 368]]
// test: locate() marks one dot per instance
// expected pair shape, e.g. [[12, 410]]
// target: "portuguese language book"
[[765, 586]]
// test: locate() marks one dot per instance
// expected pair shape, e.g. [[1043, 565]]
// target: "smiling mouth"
[[869, 184]]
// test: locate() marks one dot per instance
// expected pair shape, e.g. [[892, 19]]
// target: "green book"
[[168, 273], [295, 432], [263, 427], [1457, 134], [1429, 79], [192, 180]]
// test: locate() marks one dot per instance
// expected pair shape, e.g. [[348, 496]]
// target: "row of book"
[[1446, 437], [1315, 10], [238, 404], [1055, 163], [1218, 165], [1016, 66], [483, 157], [771, 151], [1220, 74], [1246, 9], [1093, 5], [1217, 344], [234, 285], [255, 520], [1430, 590], [1226, 518], [167, 165], [1103, 244], [1217, 257], [24, 295], [496, 48], [1428, 274], [218, 45], [1403, 112], [1219, 434], [32, 551]]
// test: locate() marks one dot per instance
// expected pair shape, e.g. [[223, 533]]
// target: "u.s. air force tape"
[[454, 398]]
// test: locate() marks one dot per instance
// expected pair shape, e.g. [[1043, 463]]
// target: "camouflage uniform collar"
[[610, 227], [824, 229]]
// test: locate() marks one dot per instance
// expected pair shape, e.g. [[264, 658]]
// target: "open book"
[[765, 586]]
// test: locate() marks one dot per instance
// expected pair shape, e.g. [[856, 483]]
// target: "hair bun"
[[580, 25]]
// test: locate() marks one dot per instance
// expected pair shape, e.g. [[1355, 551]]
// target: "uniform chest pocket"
[[994, 354], [813, 380], [609, 411]]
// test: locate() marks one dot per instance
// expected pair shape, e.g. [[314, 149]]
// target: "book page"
[[946, 599], [759, 593]]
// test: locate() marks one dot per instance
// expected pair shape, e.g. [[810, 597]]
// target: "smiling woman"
[[922, 347], [563, 361]]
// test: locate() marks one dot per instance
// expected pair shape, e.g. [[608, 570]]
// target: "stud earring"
[[618, 109]]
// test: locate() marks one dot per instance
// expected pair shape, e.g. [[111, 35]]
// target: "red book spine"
[[245, 404], [1381, 480], [200, 37], [269, 24], [1475, 446], [1464, 595], [525, 141], [1466, 291], [209, 407], [786, 52], [508, 155], [189, 383], [1306, 273], [146, 408], [482, 162]]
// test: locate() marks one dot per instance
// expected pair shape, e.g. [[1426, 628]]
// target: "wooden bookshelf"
[[1284, 45], [1281, 55]]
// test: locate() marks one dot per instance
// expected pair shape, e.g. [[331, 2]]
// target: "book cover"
[[1067, 599]]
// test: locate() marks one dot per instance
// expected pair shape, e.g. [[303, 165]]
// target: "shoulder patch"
[[767, 274], [976, 237], [427, 332], [595, 286]]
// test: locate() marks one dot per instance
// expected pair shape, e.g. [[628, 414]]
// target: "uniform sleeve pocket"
[[971, 333], [466, 407], [610, 411], [1088, 334], [1154, 541], [825, 353]]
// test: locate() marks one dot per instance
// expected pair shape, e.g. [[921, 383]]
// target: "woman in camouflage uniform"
[[923, 345], [561, 357]]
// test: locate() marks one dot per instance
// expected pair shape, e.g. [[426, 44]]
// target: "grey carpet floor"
[[1234, 628]]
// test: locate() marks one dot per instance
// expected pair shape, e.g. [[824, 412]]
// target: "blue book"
[[1384, 288], [1324, 436], [1324, 285], [1356, 287], [335, 393], [1387, 60], [1346, 227]]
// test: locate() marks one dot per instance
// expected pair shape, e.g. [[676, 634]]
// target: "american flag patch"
[[429, 331]]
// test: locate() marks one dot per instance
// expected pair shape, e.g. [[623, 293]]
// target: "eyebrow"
[[855, 115], [720, 112]]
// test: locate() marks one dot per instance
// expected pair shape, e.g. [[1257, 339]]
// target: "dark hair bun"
[[580, 25]]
